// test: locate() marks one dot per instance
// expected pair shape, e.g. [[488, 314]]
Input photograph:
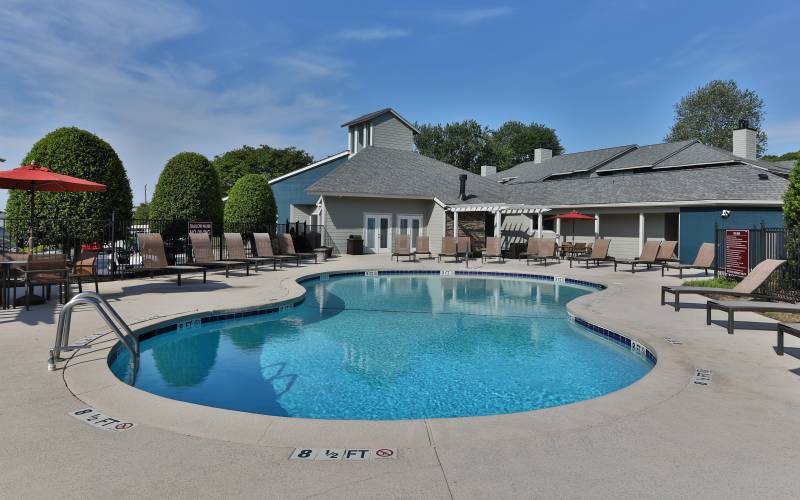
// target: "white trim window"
[[410, 224]]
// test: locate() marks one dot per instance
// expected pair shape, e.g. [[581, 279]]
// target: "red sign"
[[737, 252]]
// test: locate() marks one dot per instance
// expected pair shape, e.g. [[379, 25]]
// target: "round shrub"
[[187, 189], [78, 153], [250, 200]]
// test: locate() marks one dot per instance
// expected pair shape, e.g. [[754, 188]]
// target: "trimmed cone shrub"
[[187, 189], [791, 215], [250, 200], [78, 153]]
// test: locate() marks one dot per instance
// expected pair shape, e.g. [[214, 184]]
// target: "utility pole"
[[145, 194]]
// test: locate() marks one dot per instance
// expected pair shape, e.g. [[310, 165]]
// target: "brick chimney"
[[542, 154], [744, 141]]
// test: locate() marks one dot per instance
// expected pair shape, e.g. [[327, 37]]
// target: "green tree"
[[784, 157], [791, 215], [142, 211], [270, 162], [187, 189], [516, 142], [466, 145], [78, 153], [250, 200], [712, 112]]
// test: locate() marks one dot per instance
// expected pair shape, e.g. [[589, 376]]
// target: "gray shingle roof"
[[697, 154], [734, 182], [645, 156], [375, 114], [393, 172], [572, 162]]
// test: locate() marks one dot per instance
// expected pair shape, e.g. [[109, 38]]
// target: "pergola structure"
[[499, 209]]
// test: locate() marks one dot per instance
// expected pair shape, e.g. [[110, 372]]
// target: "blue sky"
[[156, 77]]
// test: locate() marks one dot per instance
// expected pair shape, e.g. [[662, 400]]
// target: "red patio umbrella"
[[573, 216], [34, 178]]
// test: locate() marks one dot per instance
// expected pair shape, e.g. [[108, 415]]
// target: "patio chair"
[[235, 247], [599, 254], [646, 258], [264, 249], [151, 248], [449, 248], [493, 250], [423, 246], [532, 252], [790, 328], [10, 263], [45, 270], [464, 247], [666, 252], [402, 247], [733, 306], [746, 288], [704, 260], [204, 255], [287, 247], [547, 250], [84, 269]]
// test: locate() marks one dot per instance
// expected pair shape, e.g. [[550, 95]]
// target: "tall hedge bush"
[[78, 153], [187, 189], [791, 215], [250, 200]]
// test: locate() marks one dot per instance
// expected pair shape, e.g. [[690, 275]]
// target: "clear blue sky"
[[156, 77]]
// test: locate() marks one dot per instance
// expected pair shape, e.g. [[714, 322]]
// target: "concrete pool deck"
[[661, 437]]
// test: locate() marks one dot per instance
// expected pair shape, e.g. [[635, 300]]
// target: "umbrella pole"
[[30, 227]]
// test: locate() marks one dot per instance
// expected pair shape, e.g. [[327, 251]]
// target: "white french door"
[[411, 225], [377, 233]]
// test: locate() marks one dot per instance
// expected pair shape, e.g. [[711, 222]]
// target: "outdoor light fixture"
[[725, 213]]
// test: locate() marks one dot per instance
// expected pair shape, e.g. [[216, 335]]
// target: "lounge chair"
[[532, 252], [45, 270], [704, 260], [151, 248], [84, 269], [599, 254], [647, 257], [547, 250], [235, 247], [449, 248], [264, 249], [791, 329], [423, 246], [402, 247], [666, 252], [493, 250], [745, 288], [287, 247], [734, 306], [464, 247], [204, 255]]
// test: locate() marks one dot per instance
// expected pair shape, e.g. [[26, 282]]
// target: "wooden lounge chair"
[[264, 249], [599, 254], [647, 257], [84, 269], [464, 247], [235, 247], [402, 247], [532, 251], [547, 250], [287, 247], [204, 255], [746, 288], [704, 260], [449, 248], [423, 247], [734, 306], [666, 252], [151, 248], [790, 328], [493, 250], [45, 270]]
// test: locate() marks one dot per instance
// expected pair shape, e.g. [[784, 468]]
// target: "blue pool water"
[[393, 347]]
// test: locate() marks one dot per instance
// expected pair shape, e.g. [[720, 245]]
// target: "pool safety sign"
[[737, 252], [101, 421], [344, 454]]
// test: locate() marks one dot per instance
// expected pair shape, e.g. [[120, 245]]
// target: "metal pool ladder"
[[109, 315]]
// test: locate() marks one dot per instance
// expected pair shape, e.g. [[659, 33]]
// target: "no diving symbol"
[[122, 426], [384, 453]]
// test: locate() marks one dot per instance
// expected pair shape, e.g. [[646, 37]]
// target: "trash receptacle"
[[355, 245]]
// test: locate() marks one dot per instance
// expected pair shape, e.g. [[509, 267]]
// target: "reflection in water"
[[188, 361]]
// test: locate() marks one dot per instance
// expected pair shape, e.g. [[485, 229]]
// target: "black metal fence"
[[768, 243], [116, 242]]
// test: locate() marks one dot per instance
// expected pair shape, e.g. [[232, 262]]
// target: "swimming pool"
[[392, 347]]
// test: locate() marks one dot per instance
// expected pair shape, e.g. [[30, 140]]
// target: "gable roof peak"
[[375, 114]]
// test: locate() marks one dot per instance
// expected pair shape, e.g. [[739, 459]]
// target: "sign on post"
[[737, 252], [200, 227]]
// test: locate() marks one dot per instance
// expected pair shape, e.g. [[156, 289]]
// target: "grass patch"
[[713, 283], [783, 317]]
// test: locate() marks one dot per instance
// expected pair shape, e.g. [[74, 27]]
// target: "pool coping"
[[92, 381]]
